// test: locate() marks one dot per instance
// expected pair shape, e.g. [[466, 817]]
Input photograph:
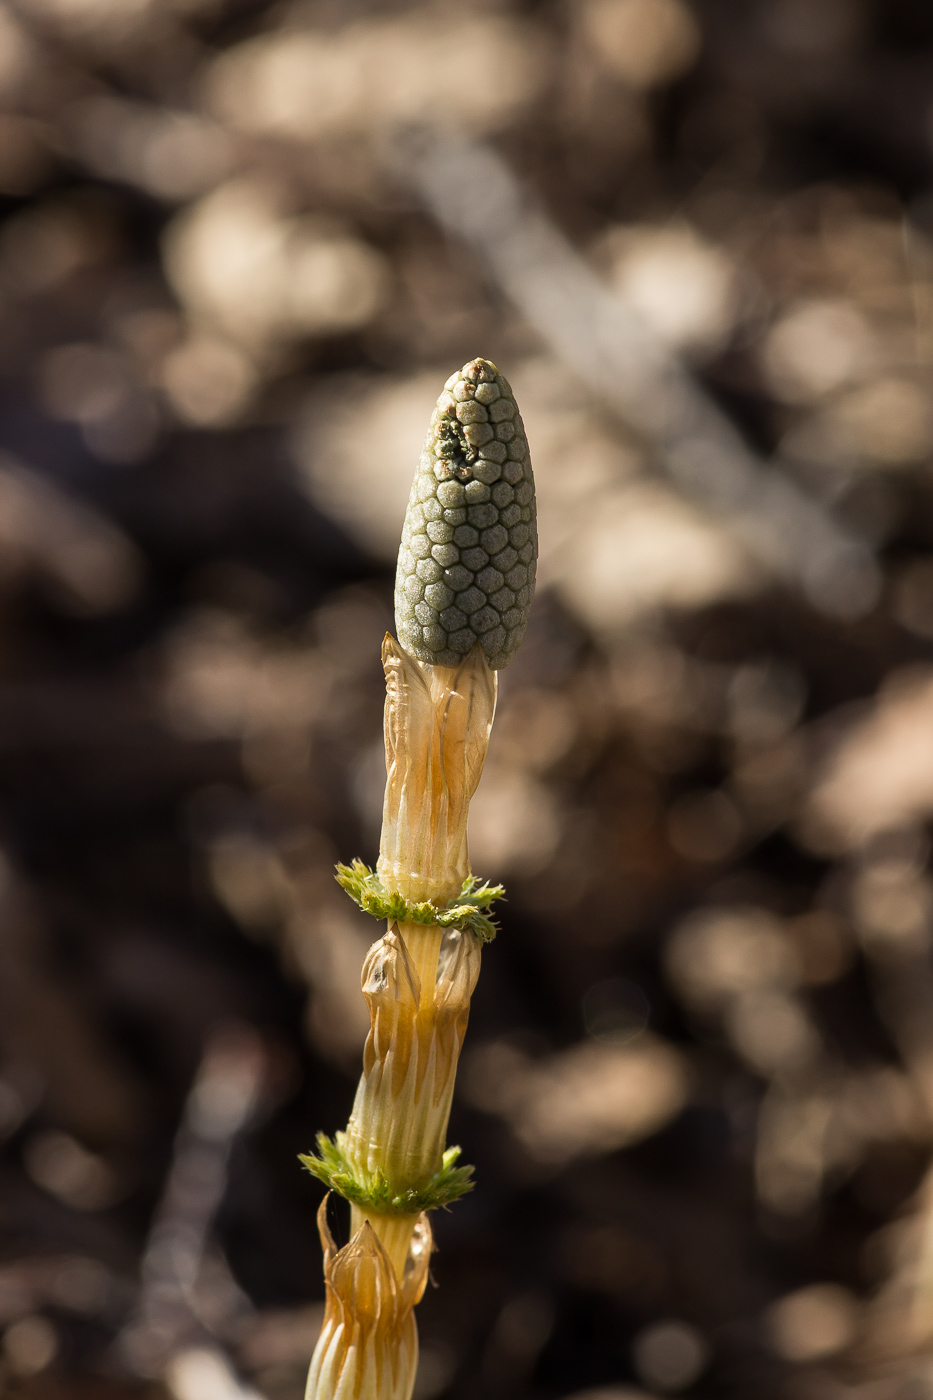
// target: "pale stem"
[[423, 942], [437, 725], [394, 1232]]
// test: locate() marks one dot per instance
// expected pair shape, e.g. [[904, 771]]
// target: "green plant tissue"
[[466, 566]]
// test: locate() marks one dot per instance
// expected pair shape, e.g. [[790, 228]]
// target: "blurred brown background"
[[242, 246]]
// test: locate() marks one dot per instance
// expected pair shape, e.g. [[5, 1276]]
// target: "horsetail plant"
[[464, 585]]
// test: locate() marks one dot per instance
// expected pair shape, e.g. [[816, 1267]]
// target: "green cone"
[[466, 566]]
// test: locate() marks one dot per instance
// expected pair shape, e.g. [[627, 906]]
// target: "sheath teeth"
[[466, 567]]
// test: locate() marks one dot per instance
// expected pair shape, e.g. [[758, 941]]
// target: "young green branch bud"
[[466, 567]]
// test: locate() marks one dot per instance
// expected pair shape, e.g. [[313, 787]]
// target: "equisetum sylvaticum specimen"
[[464, 585]]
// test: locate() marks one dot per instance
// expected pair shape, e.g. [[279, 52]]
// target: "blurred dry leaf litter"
[[670, 1355], [681, 285], [370, 75], [590, 1099], [880, 776], [88, 563], [615, 1392], [291, 896], [204, 1371], [816, 347], [647, 549], [93, 21], [742, 965], [46, 1027], [221, 681], [514, 822], [240, 265], [81, 1179], [17, 55], [96, 387], [644, 42], [719, 954], [29, 1346], [813, 1323], [208, 381], [173, 155], [355, 446]]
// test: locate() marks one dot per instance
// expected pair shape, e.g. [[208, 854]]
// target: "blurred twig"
[[221, 1102]]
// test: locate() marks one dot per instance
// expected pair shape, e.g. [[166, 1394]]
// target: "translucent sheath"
[[418, 980], [438, 720], [368, 1347], [419, 1017]]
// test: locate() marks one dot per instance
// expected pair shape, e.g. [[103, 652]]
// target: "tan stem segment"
[[398, 1126], [418, 981], [437, 725], [368, 1347], [394, 1233]]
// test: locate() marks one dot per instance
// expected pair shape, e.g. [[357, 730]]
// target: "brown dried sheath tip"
[[466, 566]]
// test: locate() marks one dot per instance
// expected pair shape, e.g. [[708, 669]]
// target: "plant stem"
[[474, 490]]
